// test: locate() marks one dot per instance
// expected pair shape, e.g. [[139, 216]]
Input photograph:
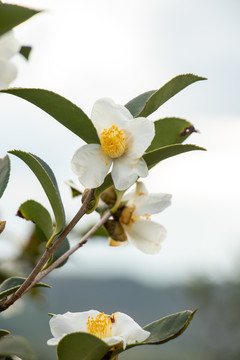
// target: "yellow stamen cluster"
[[113, 142], [144, 217], [100, 326], [127, 217]]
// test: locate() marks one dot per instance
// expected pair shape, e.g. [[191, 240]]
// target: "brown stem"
[[46, 256], [66, 255]]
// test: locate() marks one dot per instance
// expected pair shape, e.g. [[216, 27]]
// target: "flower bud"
[[93, 203], [109, 196], [115, 230]]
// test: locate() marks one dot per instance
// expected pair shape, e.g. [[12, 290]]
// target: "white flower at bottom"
[[113, 329], [123, 141], [9, 46], [144, 234]]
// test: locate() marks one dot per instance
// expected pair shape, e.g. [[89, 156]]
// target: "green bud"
[[115, 230], [93, 203], [109, 196]]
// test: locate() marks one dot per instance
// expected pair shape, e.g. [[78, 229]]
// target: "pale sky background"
[[85, 50]]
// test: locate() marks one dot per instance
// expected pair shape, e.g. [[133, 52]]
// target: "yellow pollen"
[[113, 142], [100, 326], [144, 217]]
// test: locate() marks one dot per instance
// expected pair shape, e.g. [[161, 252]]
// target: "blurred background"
[[85, 50]]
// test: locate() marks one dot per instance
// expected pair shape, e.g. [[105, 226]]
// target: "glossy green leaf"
[[81, 346], [63, 110], [170, 131], [11, 285], [13, 15], [168, 327], [47, 179], [32, 210], [4, 173], [25, 51], [4, 332], [145, 104], [152, 158], [16, 345]]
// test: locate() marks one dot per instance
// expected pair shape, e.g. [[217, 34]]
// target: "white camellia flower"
[[144, 234], [113, 329], [123, 141], [9, 46]]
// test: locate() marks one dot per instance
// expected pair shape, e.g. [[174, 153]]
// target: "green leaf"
[[168, 327], [13, 15], [4, 173], [4, 332], [32, 210], [25, 51], [145, 104], [62, 248], [16, 345], [106, 184], [74, 188], [163, 330], [11, 285], [81, 346], [170, 131], [136, 105], [63, 110], [48, 182], [152, 158]]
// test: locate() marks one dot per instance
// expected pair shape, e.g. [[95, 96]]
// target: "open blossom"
[[9, 46], [123, 141], [144, 234], [113, 329]]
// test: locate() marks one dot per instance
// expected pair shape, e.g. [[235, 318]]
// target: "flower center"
[[100, 326], [113, 141]]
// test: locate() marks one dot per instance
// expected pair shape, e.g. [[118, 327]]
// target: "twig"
[[46, 255], [66, 255]]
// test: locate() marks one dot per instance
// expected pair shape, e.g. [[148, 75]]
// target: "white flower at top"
[[123, 141], [144, 234], [113, 329], [9, 46]]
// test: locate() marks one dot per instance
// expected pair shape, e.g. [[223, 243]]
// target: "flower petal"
[[114, 340], [106, 113], [146, 235], [67, 323], [126, 171], [91, 165], [151, 203], [141, 133], [126, 328], [8, 73], [9, 46]]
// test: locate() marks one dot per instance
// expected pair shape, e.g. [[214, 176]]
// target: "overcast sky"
[[90, 49]]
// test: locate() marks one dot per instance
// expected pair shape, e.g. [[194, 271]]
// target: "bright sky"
[[91, 49]]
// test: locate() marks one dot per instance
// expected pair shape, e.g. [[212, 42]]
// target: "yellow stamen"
[[113, 142], [100, 326], [144, 217]]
